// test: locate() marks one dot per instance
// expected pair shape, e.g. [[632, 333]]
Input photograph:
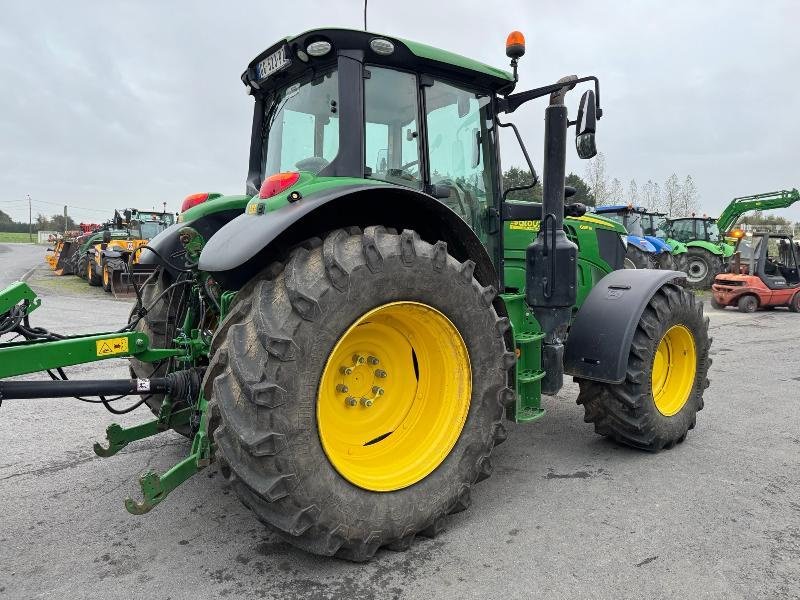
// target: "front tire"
[[107, 274], [287, 361], [657, 403], [92, 277], [747, 304], [702, 267]]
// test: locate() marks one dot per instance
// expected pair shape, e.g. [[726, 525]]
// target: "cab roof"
[[407, 54]]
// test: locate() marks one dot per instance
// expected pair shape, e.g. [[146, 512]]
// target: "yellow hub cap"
[[394, 396], [674, 368]]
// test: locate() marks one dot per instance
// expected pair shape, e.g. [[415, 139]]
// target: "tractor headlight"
[[624, 239]]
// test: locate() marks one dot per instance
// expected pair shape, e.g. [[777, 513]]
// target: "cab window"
[[683, 230], [391, 127], [458, 132]]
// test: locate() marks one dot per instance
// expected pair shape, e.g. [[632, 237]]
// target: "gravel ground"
[[566, 514]]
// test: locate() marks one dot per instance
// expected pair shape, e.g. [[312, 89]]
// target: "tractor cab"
[[772, 257], [644, 249], [689, 229]]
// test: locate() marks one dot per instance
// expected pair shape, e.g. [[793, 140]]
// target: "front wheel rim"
[[394, 396], [674, 369]]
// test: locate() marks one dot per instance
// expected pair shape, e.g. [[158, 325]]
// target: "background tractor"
[[654, 225], [342, 340], [113, 263], [763, 274], [707, 249], [643, 251]]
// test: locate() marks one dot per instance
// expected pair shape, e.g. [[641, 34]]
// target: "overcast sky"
[[113, 104]]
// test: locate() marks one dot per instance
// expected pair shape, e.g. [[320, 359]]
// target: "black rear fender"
[[249, 243], [167, 243]]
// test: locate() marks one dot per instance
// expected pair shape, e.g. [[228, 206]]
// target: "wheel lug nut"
[[366, 402], [378, 391], [341, 388], [350, 401], [358, 359], [372, 360], [380, 373], [346, 370]]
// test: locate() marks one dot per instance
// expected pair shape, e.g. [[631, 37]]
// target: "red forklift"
[[763, 274]]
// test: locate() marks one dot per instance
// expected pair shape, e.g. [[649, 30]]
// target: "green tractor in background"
[[708, 250], [345, 340]]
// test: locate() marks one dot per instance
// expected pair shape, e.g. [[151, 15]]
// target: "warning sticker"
[[112, 346], [142, 385]]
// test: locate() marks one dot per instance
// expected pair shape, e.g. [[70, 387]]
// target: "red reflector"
[[193, 200], [275, 184]]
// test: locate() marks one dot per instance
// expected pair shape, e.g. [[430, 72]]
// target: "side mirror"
[[586, 126]]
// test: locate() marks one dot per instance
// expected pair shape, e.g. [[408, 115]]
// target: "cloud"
[[135, 103]]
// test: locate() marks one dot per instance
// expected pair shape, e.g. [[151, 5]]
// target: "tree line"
[[676, 198], [42, 223]]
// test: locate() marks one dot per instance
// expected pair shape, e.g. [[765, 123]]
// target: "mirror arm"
[[535, 177], [511, 103]]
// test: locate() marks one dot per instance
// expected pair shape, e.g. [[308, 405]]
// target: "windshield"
[[150, 229], [302, 125], [659, 227], [633, 223]]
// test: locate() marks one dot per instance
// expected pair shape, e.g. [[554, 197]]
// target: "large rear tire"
[[160, 324], [657, 403], [701, 268], [288, 389], [639, 258], [80, 266], [665, 261]]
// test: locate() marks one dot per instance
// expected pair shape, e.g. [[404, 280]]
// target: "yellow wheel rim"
[[394, 396], [89, 269], [105, 276], [674, 369]]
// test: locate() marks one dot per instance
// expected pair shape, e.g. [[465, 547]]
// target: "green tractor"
[[601, 247], [708, 250], [342, 339]]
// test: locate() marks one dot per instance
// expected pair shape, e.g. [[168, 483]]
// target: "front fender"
[[676, 246], [248, 243], [658, 244], [708, 246], [642, 244], [601, 334]]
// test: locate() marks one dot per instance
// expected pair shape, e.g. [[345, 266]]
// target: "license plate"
[[273, 63]]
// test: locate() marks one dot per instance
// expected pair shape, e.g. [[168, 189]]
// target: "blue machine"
[[644, 251]]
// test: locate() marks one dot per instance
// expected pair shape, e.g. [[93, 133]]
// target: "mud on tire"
[[262, 387], [626, 412]]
